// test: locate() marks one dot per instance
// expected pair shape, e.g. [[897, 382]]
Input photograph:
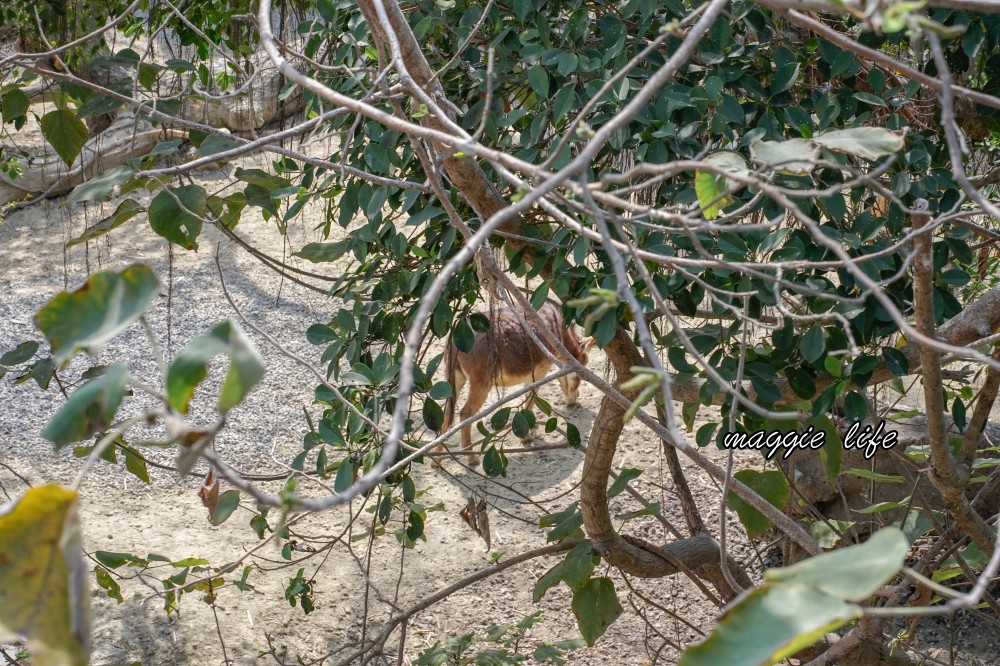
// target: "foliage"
[[799, 604]]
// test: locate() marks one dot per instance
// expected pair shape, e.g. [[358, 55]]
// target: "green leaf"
[[100, 188], [539, 80], [480, 322], [875, 476], [850, 574], [795, 156], [165, 148], [135, 464], [500, 418], [43, 579], [320, 334], [868, 98], [495, 462], [92, 315], [772, 486], [109, 584], [549, 579], [441, 391], [579, 565], [433, 415], [126, 211], [573, 437], [213, 145], [896, 361], [770, 624], [90, 409], [65, 133], [147, 75], [14, 104], [321, 252], [704, 435], [345, 476], [567, 63], [563, 102], [262, 179], [678, 359], [19, 354], [229, 501], [826, 536], [813, 344], [870, 143], [190, 366], [784, 77], [958, 414], [463, 337], [522, 423], [113, 560], [855, 407], [596, 606], [176, 214], [710, 187], [98, 104], [880, 507], [624, 477]]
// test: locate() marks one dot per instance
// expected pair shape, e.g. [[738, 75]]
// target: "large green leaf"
[[43, 580], [771, 485], [320, 252], [868, 142], [14, 104], [711, 187], [798, 605], [19, 354], [596, 606], [539, 80], [191, 366], [768, 625], [579, 565], [87, 318], [229, 501], [100, 188], [851, 573], [176, 214], [784, 77], [126, 211], [795, 156], [65, 133], [813, 343], [90, 409]]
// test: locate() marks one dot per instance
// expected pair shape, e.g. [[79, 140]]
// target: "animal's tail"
[[450, 358]]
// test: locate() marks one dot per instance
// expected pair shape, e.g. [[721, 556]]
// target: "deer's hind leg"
[[457, 380], [479, 391]]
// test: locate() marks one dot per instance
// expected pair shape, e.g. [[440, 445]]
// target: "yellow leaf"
[[43, 581]]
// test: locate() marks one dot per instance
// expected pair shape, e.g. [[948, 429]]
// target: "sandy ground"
[[119, 513]]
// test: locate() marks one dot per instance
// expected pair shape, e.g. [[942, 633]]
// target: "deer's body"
[[507, 356]]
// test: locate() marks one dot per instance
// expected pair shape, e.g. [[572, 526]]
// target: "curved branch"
[[699, 553]]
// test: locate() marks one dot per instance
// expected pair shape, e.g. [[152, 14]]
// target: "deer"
[[505, 355]]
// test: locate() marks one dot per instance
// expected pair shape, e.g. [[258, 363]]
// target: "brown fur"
[[505, 356]]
